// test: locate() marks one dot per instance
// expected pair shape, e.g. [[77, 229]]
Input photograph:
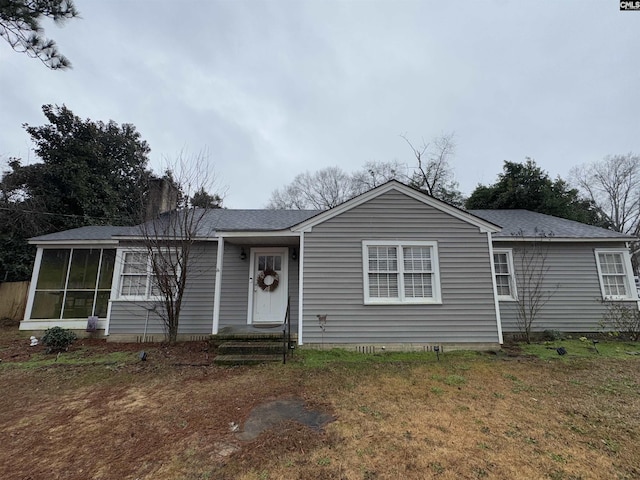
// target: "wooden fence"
[[13, 300]]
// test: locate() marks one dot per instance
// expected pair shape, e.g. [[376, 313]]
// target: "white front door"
[[268, 286]]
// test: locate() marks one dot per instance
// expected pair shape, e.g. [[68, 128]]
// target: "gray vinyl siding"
[[576, 302], [234, 294], [196, 316], [294, 284], [235, 286], [333, 277]]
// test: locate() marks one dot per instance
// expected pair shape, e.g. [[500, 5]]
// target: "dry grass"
[[486, 419], [467, 416]]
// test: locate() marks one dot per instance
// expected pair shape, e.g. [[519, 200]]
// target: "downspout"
[[495, 288], [218, 286], [300, 287]]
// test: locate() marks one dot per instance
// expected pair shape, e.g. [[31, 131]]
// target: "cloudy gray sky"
[[272, 89]]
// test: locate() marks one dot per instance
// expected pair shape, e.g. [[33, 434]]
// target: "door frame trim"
[[252, 265]]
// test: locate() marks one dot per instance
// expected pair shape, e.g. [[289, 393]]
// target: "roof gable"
[[394, 185]]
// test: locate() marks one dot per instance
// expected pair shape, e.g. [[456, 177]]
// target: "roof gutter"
[[72, 242], [562, 239]]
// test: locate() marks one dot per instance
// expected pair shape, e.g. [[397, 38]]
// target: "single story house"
[[393, 267]]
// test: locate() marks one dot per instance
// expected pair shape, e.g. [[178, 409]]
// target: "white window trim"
[[120, 256], [436, 299], [512, 277], [628, 271]]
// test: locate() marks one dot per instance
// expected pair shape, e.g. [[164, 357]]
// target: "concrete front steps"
[[248, 348]]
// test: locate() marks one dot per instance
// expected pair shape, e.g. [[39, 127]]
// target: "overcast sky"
[[272, 89]]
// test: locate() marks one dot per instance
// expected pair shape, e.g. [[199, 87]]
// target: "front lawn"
[[101, 413]]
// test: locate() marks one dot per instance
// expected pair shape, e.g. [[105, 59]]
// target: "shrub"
[[58, 339], [553, 335], [622, 320]]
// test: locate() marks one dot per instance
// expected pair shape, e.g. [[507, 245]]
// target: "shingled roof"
[[93, 232], [514, 223], [214, 221], [523, 223], [255, 220]]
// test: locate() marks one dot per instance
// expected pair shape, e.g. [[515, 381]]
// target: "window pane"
[[135, 262], [417, 259], [611, 263], [383, 259], [418, 285], [277, 263], [383, 285], [102, 302], [155, 289], [503, 285], [53, 269], [78, 304], [500, 262], [614, 285], [262, 262], [134, 285], [106, 269], [47, 305], [84, 269]]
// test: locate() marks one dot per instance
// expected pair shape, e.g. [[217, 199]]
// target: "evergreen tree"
[[527, 186], [20, 27], [91, 173]]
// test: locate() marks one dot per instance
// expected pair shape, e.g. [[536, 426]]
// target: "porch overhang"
[[277, 238]]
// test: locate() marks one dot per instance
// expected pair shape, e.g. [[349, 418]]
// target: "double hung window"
[[138, 280], [614, 270], [400, 272], [505, 278]]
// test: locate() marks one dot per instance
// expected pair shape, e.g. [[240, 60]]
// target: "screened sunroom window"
[[73, 283], [401, 272]]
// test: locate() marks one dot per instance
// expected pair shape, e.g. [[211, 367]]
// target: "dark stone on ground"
[[270, 414]]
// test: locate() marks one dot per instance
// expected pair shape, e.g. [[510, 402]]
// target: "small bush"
[[622, 320], [58, 339], [553, 335]]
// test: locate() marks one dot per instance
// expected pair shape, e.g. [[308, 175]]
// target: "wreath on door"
[[268, 280]]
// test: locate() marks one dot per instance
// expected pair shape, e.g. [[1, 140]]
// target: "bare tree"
[[170, 239], [374, 174], [321, 190], [332, 186], [533, 291], [433, 173], [613, 184]]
